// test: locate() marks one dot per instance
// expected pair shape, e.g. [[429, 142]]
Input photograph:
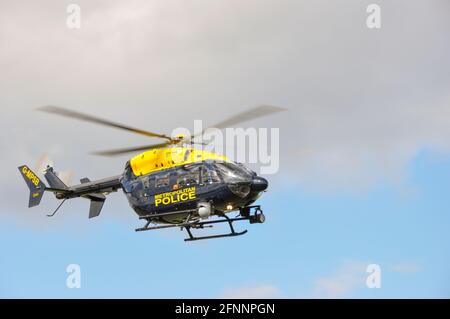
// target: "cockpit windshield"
[[245, 168], [233, 173]]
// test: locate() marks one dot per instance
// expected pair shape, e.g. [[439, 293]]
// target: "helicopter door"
[[149, 185], [188, 178]]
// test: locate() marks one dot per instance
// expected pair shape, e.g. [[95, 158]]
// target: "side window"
[[162, 181], [189, 178], [148, 182], [209, 176], [137, 188]]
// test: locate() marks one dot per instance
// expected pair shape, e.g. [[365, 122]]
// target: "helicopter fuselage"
[[198, 189]]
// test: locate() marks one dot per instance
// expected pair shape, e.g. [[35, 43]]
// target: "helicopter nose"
[[259, 184]]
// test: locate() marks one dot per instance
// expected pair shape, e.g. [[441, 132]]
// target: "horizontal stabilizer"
[[97, 201]]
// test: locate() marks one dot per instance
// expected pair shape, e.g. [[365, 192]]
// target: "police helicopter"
[[171, 184]]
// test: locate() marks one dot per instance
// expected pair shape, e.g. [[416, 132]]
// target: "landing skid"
[[244, 214]]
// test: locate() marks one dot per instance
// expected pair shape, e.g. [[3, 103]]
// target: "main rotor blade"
[[121, 151], [89, 118], [259, 111]]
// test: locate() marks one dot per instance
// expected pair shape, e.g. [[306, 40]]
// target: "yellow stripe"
[[161, 159]]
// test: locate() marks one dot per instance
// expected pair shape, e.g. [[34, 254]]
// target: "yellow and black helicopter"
[[170, 184]]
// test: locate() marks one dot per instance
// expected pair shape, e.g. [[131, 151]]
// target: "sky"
[[364, 154]]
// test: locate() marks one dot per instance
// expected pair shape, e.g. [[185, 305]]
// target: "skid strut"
[[229, 220], [244, 214]]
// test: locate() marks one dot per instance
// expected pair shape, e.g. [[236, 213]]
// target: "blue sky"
[[311, 246]]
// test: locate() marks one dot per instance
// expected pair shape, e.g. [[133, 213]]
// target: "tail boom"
[[94, 191]]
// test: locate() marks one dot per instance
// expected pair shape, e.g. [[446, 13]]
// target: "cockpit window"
[[209, 176], [233, 173], [245, 168]]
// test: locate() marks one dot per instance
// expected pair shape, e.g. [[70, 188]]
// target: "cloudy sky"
[[364, 148]]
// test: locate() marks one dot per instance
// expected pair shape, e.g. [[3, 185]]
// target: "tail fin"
[[36, 186], [53, 179]]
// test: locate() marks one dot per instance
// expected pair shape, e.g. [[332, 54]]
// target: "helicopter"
[[170, 184]]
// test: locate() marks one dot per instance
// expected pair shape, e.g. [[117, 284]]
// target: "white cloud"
[[349, 277], [261, 291]]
